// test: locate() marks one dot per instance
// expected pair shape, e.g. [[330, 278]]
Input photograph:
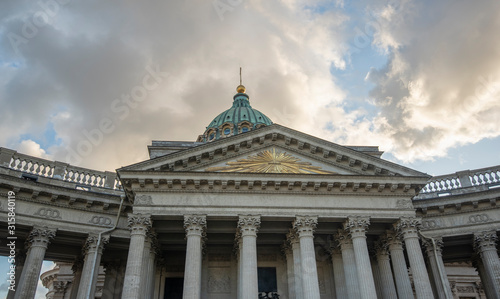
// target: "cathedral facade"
[[251, 210]]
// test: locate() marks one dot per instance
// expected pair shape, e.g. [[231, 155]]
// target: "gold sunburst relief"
[[270, 161]]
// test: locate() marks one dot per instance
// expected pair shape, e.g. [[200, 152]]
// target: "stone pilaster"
[[305, 226], [485, 247], [293, 239], [408, 227], [139, 226], [286, 249], [195, 226], [349, 261], [403, 284], [356, 227], [384, 265], [435, 258], [92, 254], [37, 243], [338, 269], [248, 227], [237, 251]]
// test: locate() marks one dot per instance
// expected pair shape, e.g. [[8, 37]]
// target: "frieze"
[[100, 220], [465, 289], [479, 218], [403, 204], [143, 200], [49, 213]]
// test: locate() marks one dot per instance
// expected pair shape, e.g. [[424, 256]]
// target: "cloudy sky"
[[93, 82]]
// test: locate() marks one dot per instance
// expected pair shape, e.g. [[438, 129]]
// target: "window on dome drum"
[[227, 131], [244, 129], [211, 136]]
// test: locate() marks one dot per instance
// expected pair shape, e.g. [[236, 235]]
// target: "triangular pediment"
[[274, 149]]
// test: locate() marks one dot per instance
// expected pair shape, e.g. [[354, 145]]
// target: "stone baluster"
[[77, 275], [248, 227], [408, 227], [349, 261], [338, 270], [286, 249], [403, 284], [305, 226], [91, 254], [435, 258], [293, 239], [485, 247], [356, 227], [139, 226], [384, 265], [37, 243], [195, 226]]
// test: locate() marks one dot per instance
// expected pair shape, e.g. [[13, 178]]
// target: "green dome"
[[238, 119]]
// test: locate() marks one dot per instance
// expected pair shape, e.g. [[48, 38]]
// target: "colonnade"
[[353, 265]]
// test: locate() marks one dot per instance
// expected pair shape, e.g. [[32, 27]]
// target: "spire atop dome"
[[240, 88]]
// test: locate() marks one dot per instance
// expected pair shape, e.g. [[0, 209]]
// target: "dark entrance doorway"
[[173, 287], [267, 279]]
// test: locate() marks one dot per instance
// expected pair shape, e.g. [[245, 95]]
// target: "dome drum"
[[238, 119]]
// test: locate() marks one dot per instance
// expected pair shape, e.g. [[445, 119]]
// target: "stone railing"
[[58, 170], [266, 295], [463, 179]]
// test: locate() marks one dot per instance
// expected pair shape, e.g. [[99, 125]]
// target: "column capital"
[[60, 286], [249, 224], [381, 247], [408, 227], [305, 225], [77, 265], [485, 241], [139, 224], [91, 244], [152, 237], [429, 246], [357, 226], [343, 239], [292, 237], [40, 236], [393, 240], [195, 224]]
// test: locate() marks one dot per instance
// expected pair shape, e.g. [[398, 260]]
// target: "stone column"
[[89, 277], [435, 258], [349, 261], [293, 239], [305, 226], [154, 251], [338, 270], [403, 284], [248, 227], [237, 251], [486, 283], [111, 274], [408, 228], [286, 249], [195, 226], [20, 258], [357, 226], [376, 274], [384, 265], [37, 243], [139, 226], [485, 246], [77, 275]]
